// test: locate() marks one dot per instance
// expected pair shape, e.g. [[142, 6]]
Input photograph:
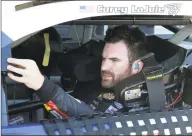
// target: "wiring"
[[175, 101], [178, 97]]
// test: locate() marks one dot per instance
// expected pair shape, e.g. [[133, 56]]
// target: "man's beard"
[[113, 81]]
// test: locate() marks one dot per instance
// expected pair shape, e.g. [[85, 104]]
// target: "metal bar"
[[181, 35], [135, 22], [4, 108], [171, 28], [4, 115], [24, 107]]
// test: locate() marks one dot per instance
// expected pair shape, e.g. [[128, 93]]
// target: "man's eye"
[[115, 60]]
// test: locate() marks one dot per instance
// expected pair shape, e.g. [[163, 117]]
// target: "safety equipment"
[[151, 75], [137, 65], [156, 123]]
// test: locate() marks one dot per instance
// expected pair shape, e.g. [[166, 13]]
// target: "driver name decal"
[[170, 9]]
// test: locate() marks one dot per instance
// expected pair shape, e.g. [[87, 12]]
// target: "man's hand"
[[29, 70]]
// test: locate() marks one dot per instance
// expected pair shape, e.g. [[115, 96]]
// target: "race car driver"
[[123, 47]]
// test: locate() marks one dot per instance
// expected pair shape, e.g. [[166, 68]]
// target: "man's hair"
[[132, 37]]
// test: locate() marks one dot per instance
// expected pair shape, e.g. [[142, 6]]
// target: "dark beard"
[[107, 72], [114, 81], [111, 83]]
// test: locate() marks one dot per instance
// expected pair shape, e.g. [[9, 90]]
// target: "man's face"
[[115, 64]]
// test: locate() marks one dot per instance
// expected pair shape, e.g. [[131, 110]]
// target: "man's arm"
[[47, 91], [65, 102]]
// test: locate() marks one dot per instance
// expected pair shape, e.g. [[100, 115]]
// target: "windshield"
[[100, 30], [179, 26], [148, 29], [156, 30], [75, 35]]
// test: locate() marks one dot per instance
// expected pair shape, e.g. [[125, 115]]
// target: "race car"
[[68, 52]]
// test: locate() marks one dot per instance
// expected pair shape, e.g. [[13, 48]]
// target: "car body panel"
[[25, 19]]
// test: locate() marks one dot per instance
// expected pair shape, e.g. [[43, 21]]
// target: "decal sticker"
[[118, 105], [111, 110], [108, 96], [92, 106]]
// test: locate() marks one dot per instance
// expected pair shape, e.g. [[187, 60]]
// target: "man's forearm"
[[66, 103]]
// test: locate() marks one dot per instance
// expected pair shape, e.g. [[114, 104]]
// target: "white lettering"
[[147, 9], [102, 9]]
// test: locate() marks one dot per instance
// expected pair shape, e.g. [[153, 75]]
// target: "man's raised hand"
[[29, 71]]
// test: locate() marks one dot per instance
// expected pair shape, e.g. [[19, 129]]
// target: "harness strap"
[[47, 50], [153, 74]]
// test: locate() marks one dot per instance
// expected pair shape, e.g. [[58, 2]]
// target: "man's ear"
[[136, 67]]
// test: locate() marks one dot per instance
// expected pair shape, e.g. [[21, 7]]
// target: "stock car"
[[72, 60]]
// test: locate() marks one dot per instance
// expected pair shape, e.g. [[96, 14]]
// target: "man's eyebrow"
[[111, 58], [114, 58]]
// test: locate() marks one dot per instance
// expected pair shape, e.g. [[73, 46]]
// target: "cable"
[[179, 96]]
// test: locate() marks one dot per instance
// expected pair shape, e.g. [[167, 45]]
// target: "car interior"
[[75, 60], [68, 51]]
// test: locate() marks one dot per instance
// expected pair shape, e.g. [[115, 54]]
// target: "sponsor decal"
[[154, 77], [92, 106], [56, 114], [51, 107], [108, 96], [118, 105], [111, 110], [96, 102]]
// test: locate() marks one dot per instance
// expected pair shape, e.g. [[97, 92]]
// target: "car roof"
[[22, 19]]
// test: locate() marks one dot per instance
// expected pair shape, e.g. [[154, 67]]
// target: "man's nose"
[[106, 65]]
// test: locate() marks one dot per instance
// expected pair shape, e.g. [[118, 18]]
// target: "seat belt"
[[153, 73], [47, 50]]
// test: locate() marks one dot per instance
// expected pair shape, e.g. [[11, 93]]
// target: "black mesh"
[[164, 123]]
